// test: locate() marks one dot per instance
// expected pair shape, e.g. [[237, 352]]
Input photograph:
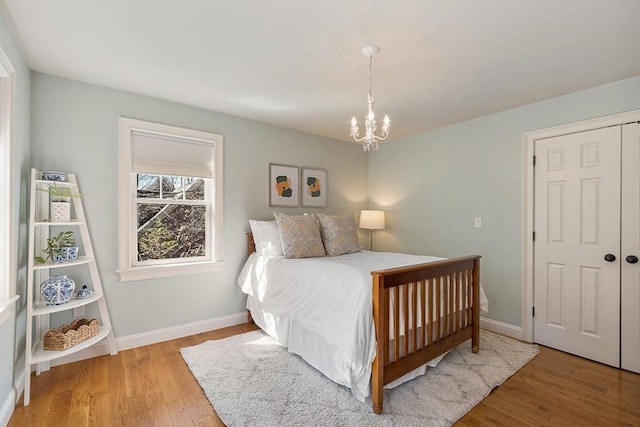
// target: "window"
[[171, 200], [7, 257]]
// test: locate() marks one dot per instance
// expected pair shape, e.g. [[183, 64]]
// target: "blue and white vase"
[[57, 290], [66, 254], [54, 176]]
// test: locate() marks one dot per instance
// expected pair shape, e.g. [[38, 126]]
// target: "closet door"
[[577, 244], [630, 267]]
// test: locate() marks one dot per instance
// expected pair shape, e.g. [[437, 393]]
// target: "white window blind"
[[167, 155]]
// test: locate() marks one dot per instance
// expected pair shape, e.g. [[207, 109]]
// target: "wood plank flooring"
[[152, 386]]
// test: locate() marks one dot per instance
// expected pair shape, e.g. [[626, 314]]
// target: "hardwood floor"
[[152, 386], [559, 389]]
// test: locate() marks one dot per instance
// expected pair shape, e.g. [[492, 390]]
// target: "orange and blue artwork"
[[314, 189], [283, 186]]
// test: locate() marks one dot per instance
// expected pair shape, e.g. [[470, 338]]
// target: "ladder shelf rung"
[[78, 261], [46, 223], [41, 355], [41, 308]]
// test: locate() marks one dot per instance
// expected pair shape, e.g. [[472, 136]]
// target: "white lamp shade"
[[372, 220]]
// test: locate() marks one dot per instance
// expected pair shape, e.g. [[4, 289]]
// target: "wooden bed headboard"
[[251, 245]]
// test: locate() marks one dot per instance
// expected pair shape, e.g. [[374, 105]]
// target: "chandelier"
[[370, 139]]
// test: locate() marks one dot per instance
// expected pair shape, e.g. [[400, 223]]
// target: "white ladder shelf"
[[37, 311]]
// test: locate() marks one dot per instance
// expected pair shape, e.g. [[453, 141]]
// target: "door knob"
[[609, 257], [632, 259]]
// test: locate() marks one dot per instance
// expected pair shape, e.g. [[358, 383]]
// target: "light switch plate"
[[478, 222]]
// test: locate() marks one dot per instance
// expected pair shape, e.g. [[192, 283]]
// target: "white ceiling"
[[299, 64]]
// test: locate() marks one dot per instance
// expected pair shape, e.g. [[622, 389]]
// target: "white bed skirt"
[[321, 354]]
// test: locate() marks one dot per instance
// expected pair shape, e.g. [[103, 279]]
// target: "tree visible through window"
[[167, 226]]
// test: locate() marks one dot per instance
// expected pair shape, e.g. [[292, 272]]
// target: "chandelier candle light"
[[370, 139]]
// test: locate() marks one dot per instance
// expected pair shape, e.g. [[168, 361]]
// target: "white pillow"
[[266, 237]]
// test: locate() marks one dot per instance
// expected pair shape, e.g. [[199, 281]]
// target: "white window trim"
[[127, 270], [7, 254]]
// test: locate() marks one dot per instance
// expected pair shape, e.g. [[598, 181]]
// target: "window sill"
[[159, 271]]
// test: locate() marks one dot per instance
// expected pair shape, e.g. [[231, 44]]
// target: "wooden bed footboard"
[[420, 312]]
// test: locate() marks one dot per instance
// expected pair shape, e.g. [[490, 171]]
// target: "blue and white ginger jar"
[[57, 290], [54, 176]]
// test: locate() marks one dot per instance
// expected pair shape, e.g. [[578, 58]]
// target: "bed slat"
[[414, 311], [423, 323], [396, 323]]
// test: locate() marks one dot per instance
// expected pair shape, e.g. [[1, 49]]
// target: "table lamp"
[[372, 220]]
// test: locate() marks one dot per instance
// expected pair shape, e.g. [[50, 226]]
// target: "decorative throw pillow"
[[266, 236], [300, 235], [339, 234]]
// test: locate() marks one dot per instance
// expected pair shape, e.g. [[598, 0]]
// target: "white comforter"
[[329, 299]]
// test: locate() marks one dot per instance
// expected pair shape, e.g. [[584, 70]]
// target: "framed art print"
[[314, 188], [283, 185]]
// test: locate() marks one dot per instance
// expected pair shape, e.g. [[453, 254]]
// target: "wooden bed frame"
[[401, 296]]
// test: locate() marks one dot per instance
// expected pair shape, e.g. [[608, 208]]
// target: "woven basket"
[[70, 334]]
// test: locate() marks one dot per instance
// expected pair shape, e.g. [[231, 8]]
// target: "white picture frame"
[[283, 185], [313, 187]]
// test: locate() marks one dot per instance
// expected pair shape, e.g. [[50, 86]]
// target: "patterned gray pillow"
[[300, 235], [339, 234]]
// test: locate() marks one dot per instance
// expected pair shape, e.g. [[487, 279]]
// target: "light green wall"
[[434, 184], [76, 130], [12, 332]]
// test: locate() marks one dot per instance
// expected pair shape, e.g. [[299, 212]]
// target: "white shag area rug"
[[252, 381]]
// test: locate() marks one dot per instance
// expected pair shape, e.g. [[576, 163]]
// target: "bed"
[[385, 324]]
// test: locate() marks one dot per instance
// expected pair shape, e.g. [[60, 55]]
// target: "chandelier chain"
[[370, 62]]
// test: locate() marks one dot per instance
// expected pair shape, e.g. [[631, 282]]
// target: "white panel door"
[[630, 252], [577, 223]]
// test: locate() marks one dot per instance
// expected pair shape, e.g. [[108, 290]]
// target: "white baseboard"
[[156, 336], [7, 408], [18, 388], [502, 328]]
